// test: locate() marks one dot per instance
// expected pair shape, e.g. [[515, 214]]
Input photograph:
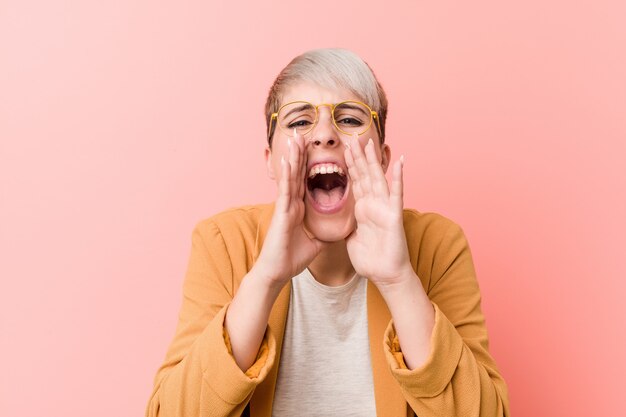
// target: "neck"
[[332, 267]]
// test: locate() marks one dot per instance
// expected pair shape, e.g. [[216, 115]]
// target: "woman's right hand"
[[286, 251], [288, 248]]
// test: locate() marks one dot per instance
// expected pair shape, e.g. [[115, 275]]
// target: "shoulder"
[[235, 223], [432, 238], [237, 217], [231, 237], [431, 224]]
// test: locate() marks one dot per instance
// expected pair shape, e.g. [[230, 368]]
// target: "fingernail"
[[295, 132], [289, 142], [370, 142], [282, 160], [402, 159]]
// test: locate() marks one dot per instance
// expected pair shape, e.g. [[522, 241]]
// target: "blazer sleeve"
[[459, 378], [199, 376]]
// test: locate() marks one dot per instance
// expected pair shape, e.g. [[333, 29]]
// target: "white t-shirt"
[[325, 365]]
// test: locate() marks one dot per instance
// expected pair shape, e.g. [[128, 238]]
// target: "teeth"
[[325, 169]]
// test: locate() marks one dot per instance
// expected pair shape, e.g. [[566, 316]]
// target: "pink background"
[[123, 123]]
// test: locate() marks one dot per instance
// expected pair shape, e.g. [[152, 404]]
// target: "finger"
[[360, 163], [353, 172], [282, 202], [298, 169], [302, 174], [294, 165], [397, 188], [294, 156], [377, 176]]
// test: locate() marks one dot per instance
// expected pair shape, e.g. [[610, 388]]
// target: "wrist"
[[265, 280], [405, 281]]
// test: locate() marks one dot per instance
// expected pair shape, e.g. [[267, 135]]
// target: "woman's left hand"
[[377, 247]]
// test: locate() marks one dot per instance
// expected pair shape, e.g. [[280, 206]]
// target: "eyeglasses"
[[349, 117]]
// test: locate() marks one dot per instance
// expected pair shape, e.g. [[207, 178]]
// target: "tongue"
[[327, 197]]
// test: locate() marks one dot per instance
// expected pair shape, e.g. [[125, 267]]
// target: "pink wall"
[[115, 141]]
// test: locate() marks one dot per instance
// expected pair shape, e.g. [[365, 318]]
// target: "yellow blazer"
[[199, 376]]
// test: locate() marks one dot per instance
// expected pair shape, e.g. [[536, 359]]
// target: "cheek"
[[277, 153], [278, 173]]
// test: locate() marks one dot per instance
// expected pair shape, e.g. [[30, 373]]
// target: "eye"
[[299, 123], [349, 121]]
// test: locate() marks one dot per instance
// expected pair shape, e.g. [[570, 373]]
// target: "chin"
[[329, 228]]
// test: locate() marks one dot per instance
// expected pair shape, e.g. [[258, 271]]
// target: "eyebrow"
[[299, 109], [354, 107]]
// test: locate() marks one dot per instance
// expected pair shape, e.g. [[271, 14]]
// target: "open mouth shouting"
[[327, 186]]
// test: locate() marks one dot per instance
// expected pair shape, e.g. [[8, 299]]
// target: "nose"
[[324, 133]]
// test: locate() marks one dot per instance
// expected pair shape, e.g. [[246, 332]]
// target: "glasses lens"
[[352, 117], [298, 115]]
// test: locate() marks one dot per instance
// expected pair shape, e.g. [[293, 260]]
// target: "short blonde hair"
[[330, 68]]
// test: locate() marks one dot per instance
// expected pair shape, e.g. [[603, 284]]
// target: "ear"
[[385, 156], [268, 163]]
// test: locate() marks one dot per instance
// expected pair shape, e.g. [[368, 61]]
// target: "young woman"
[[334, 300]]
